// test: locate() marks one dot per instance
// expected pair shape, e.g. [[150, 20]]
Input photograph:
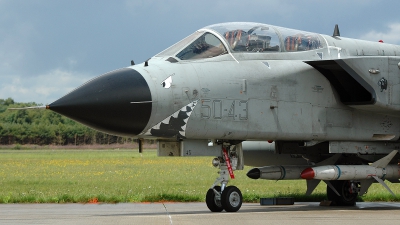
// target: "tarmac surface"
[[198, 213]]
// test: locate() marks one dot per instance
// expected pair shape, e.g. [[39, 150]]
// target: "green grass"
[[60, 176]]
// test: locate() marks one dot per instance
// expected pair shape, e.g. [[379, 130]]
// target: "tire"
[[346, 198], [212, 203], [231, 199]]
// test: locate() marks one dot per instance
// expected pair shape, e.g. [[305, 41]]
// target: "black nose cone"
[[254, 173], [117, 103]]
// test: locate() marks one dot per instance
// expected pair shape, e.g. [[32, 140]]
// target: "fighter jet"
[[294, 104]]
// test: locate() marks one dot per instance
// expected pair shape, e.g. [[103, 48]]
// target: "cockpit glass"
[[206, 46], [181, 44], [243, 37], [248, 37], [295, 40], [257, 37]]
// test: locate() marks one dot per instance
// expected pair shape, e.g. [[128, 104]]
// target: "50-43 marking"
[[224, 108]]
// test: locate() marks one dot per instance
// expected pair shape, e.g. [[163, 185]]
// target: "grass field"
[[126, 176]]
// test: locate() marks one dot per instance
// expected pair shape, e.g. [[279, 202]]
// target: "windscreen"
[[206, 46], [180, 45]]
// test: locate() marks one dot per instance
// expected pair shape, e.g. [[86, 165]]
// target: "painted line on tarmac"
[[170, 219]]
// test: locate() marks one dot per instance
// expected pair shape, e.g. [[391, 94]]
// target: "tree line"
[[45, 127]]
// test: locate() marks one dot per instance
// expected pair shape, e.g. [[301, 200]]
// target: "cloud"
[[15, 45], [43, 88], [391, 35]]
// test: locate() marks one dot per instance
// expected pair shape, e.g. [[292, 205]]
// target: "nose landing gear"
[[226, 197]]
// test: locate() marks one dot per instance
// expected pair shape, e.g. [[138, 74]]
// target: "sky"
[[50, 47]]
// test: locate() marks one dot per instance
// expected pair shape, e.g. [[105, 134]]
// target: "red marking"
[[228, 163], [380, 41], [308, 173], [270, 141], [93, 201]]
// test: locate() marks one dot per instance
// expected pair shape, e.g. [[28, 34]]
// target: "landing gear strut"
[[226, 197]]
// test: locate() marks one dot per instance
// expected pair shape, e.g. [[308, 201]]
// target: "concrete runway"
[[197, 213]]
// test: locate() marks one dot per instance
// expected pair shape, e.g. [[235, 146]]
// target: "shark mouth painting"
[[174, 125]]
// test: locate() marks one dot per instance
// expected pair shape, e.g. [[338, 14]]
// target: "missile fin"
[[329, 161], [382, 163], [311, 185], [365, 184], [332, 187], [383, 183]]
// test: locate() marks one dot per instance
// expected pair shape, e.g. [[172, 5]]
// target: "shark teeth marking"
[[175, 124]]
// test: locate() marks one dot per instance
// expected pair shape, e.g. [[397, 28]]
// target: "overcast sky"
[[49, 47]]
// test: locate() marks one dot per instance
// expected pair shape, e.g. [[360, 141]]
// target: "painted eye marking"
[[167, 82]]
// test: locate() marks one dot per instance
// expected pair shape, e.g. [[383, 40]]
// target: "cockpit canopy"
[[218, 39]]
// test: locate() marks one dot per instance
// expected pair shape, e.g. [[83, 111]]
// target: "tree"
[[45, 127]]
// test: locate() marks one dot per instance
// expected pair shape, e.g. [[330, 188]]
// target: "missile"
[[286, 172], [277, 172], [379, 169], [350, 172]]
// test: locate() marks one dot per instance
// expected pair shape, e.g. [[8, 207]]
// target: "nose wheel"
[[230, 199], [213, 199]]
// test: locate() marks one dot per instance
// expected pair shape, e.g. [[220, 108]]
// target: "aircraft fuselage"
[[316, 96]]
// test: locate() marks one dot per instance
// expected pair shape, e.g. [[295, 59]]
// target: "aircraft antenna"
[[336, 32]]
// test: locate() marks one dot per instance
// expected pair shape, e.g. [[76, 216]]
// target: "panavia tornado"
[[293, 104]]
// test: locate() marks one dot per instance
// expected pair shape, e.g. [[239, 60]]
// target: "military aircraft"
[[294, 104]]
